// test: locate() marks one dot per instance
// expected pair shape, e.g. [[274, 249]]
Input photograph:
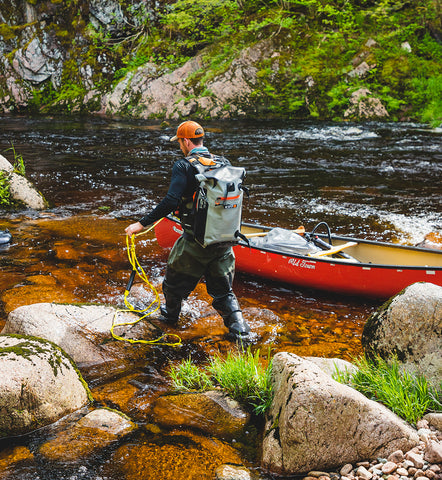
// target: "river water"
[[375, 180]]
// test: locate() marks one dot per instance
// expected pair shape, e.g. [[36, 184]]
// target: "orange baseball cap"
[[188, 129]]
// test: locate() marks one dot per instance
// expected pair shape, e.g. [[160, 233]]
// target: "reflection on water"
[[374, 180]]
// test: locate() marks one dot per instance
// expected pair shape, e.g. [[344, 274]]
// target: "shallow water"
[[377, 181]]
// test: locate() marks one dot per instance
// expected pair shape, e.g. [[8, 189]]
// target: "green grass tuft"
[[244, 378], [408, 395], [188, 377], [241, 375]]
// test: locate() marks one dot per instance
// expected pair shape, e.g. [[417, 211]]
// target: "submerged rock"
[[232, 472], [179, 454], [211, 412], [38, 385], [95, 431], [11, 456], [432, 240], [315, 423]]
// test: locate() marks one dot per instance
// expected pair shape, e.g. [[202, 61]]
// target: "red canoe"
[[348, 266]]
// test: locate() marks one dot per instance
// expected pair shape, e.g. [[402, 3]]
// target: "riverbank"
[[237, 60]]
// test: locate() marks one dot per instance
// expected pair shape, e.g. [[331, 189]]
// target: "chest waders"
[[211, 220], [188, 263]]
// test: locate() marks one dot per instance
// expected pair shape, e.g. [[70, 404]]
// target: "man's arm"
[[169, 203]]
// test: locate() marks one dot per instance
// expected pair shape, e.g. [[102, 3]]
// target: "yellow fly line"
[[151, 308]]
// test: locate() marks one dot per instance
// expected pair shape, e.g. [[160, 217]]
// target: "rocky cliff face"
[[47, 45], [66, 56]]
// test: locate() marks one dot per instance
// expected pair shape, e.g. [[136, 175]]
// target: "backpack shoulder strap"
[[205, 161]]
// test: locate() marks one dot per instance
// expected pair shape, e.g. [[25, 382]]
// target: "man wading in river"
[[189, 261]]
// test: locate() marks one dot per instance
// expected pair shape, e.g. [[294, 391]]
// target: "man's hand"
[[133, 228]]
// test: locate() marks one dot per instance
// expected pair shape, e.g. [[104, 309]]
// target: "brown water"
[[375, 181]]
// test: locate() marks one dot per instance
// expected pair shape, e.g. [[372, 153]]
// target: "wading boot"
[[238, 327], [166, 317], [228, 307], [170, 312]]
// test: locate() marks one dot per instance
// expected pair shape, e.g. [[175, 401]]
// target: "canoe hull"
[[355, 279]]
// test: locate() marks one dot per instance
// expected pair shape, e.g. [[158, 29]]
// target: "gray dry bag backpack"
[[217, 204]]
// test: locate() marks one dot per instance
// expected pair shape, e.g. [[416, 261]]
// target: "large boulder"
[[409, 326], [315, 423], [24, 192], [83, 331], [38, 385], [39, 60], [364, 106], [158, 93]]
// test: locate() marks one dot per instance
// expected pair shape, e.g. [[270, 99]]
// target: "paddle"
[[333, 250]]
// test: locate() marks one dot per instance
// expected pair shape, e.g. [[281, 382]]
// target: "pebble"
[[363, 473], [389, 468], [420, 463], [417, 459], [346, 469], [396, 457]]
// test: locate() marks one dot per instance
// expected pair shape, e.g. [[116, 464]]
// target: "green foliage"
[[19, 165], [5, 193], [408, 395], [241, 375], [194, 24], [6, 200], [432, 93], [315, 42], [187, 376]]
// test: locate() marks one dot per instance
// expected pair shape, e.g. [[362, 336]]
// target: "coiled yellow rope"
[[151, 308]]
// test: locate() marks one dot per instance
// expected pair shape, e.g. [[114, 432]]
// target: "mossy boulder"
[[39, 385], [22, 191]]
